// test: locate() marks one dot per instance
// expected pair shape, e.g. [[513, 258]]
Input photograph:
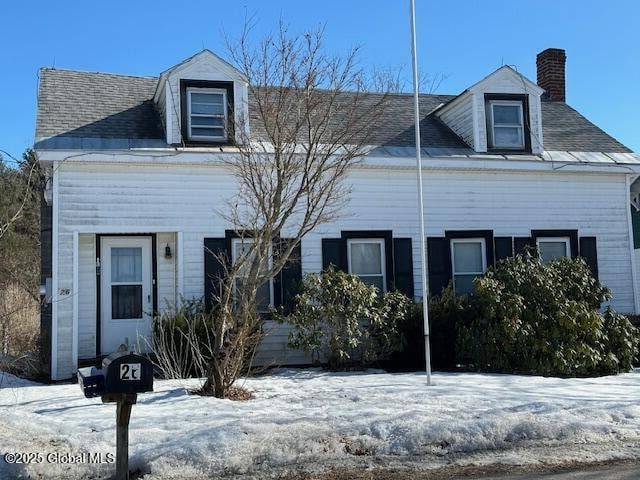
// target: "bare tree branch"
[[312, 117]]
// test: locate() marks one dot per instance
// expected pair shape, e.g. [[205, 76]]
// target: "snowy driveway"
[[309, 419]]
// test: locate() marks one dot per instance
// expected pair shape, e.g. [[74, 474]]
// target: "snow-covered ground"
[[312, 420]]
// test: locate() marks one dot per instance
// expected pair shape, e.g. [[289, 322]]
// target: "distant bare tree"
[[312, 119], [431, 83], [20, 189], [21, 186], [428, 83]]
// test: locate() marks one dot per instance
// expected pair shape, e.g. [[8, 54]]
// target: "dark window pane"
[[263, 295], [550, 250], [207, 121], [209, 97], [507, 136], [366, 258], [375, 281], [207, 109], [467, 257], [463, 284], [207, 132], [506, 114], [126, 301]]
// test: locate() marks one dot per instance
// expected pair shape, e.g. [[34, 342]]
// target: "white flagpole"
[[423, 253]]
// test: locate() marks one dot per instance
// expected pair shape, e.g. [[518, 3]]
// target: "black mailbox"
[[91, 381], [127, 373], [122, 377]]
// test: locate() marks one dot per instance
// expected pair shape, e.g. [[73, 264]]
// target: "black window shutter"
[[635, 223], [403, 266], [503, 247], [520, 243], [213, 267], [589, 251], [439, 252], [334, 251], [287, 283]]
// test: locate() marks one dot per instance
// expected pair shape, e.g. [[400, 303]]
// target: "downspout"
[[630, 178]]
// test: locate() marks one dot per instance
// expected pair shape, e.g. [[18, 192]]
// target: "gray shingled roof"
[[83, 109]]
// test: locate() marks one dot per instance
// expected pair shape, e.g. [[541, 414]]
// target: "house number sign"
[[130, 371]]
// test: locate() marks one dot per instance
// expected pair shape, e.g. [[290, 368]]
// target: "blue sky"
[[461, 39]]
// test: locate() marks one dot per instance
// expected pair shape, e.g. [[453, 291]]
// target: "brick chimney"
[[550, 63]]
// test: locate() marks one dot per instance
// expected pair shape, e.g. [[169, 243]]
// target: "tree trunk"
[[214, 385]]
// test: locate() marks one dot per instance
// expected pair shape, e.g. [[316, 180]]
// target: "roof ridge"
[[75, 70]]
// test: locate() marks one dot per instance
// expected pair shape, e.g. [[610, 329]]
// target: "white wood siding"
[[458, 116], [186, 198], [166, 270], [87, 297]]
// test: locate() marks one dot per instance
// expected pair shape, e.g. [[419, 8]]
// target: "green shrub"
[[446, 313], [338, 317], [411, 332], [621, 345], [544, 319], [635, 321]]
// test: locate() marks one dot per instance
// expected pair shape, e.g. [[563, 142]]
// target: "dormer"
[[499, 114], [203, 101]]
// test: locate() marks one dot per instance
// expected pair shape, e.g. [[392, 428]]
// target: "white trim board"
[[75, 291], [54, 274], [634, 276], [548, 161]]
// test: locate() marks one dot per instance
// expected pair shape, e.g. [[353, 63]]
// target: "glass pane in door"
[[126, 283], [126, 265], [126, 302]]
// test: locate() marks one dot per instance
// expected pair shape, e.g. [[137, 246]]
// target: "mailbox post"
[[122, 377]]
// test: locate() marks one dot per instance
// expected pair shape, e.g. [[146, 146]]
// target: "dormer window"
[[207, 114], [506, 129]]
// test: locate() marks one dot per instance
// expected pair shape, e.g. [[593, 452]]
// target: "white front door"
[[126, 293]]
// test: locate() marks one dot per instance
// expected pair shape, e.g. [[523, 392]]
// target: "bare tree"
[[312, 118], [19, 266], [17, 200]]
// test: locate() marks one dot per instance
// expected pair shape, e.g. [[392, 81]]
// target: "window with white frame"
[[552, 248], [507, 124], [207, 114], [468, 258], [366, 260], [264, 295]]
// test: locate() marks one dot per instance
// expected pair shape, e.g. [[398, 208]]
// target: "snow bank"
[[311, 419]]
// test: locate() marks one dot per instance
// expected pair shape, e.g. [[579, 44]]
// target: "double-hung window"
[[468, 258], [367, 261], [207, 114], [264, 294], [506, 124], [552, 248]]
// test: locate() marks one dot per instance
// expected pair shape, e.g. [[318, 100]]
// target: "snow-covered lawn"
[[314, 420]]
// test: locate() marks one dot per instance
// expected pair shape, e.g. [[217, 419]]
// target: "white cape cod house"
[[137, 174]]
